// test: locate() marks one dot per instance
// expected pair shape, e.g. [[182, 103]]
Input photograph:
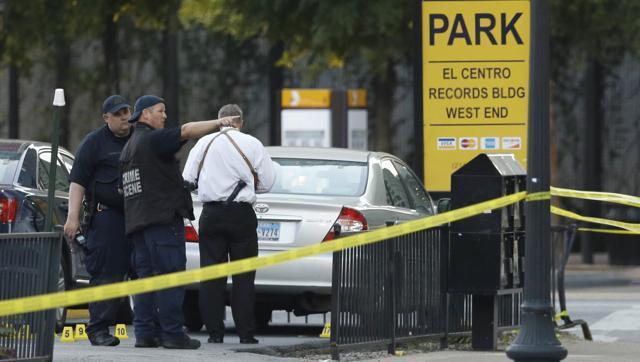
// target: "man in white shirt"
[[219, 163]]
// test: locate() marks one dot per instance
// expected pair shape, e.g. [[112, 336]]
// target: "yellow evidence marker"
[[121, 331], [326, 331], [81, 332], [67, 334]]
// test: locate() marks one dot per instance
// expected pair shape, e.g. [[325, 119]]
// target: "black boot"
[[103, 339], [186, 343]]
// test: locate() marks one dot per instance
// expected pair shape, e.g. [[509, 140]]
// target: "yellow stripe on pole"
[[145, 285]]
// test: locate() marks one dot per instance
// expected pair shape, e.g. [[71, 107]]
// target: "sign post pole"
[[537, 340], [58, 103]]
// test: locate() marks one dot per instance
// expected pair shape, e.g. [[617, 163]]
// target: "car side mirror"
[[444, 205]]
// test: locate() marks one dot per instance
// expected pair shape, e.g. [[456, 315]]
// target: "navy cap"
[[114, 103], [143, 103]]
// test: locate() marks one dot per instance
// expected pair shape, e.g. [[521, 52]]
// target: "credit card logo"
[[511, 143], [489, 143], [446, 143], [469, 143]]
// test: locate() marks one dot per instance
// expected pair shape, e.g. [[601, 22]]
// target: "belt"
[[217, 203]]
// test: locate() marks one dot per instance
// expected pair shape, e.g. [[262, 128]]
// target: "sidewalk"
[[598, 282], [582, 351]]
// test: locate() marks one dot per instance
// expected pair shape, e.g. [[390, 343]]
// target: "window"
[[67, 161], [396, 194], [420, 199], [9, 161], [62, 181], [27, 176], [319, 177]]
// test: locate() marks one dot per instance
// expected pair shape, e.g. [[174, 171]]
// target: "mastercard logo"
[[469, 143]]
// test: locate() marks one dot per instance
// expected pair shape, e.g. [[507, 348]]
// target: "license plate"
[[269, 231]]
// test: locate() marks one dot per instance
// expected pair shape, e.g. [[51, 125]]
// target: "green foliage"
[[327, 33], [19, 34], [605, 30]]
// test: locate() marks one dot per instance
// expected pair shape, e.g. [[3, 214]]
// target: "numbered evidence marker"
[[67, 335], [81, 332], [121, 331], [326, 331]]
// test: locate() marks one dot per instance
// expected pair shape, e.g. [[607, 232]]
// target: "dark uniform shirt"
[[98, 159], [166, 141]]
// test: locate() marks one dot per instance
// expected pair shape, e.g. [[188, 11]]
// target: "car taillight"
[[190, 233], [350, 220], [8, 208]]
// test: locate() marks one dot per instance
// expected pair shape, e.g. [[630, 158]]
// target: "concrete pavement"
[[579, 351]]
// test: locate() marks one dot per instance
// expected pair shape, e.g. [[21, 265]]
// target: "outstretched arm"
[[193, 130]]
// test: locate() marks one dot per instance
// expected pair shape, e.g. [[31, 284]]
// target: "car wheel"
[[191, 309], [263, 317], [64, 282]]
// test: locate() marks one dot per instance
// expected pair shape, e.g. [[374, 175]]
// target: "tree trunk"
[[61, 54], [14, 102], [592, 150], [275, 87], [171, 81], [383, 86], [111, 54]]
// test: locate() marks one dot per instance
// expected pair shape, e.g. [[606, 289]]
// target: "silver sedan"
[[319, 194]]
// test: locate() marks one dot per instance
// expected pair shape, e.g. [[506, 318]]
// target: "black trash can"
[[29, 265]]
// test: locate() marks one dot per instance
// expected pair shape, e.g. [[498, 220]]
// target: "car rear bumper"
[[307, 275]]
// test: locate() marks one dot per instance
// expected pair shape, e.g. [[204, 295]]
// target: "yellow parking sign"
[[475, 83]]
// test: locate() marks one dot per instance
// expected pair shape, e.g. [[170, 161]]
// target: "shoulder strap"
[[244, 157], [205, 155]]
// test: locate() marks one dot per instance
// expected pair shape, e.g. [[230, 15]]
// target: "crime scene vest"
[[152, 185]]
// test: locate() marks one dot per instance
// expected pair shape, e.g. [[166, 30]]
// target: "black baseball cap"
[[143, 103], [114, 103]]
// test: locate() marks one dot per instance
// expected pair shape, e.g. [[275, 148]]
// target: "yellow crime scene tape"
[[609, 231], [629, 228], [597, 196], [145, 285], [596, 220]]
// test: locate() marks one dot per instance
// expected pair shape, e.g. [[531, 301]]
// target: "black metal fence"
[[29, 265], [395, 290]]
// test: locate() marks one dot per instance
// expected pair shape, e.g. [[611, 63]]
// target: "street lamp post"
[[537, 340], [58, 103]]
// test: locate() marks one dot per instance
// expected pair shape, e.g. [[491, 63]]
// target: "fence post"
[[390, 317], [444, 295], [336, 277]]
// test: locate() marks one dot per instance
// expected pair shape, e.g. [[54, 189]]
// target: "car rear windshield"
[[320, 177], [8, 164]]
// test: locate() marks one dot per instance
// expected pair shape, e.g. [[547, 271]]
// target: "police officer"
[[95, 177], [230, 167], [155, 204]]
